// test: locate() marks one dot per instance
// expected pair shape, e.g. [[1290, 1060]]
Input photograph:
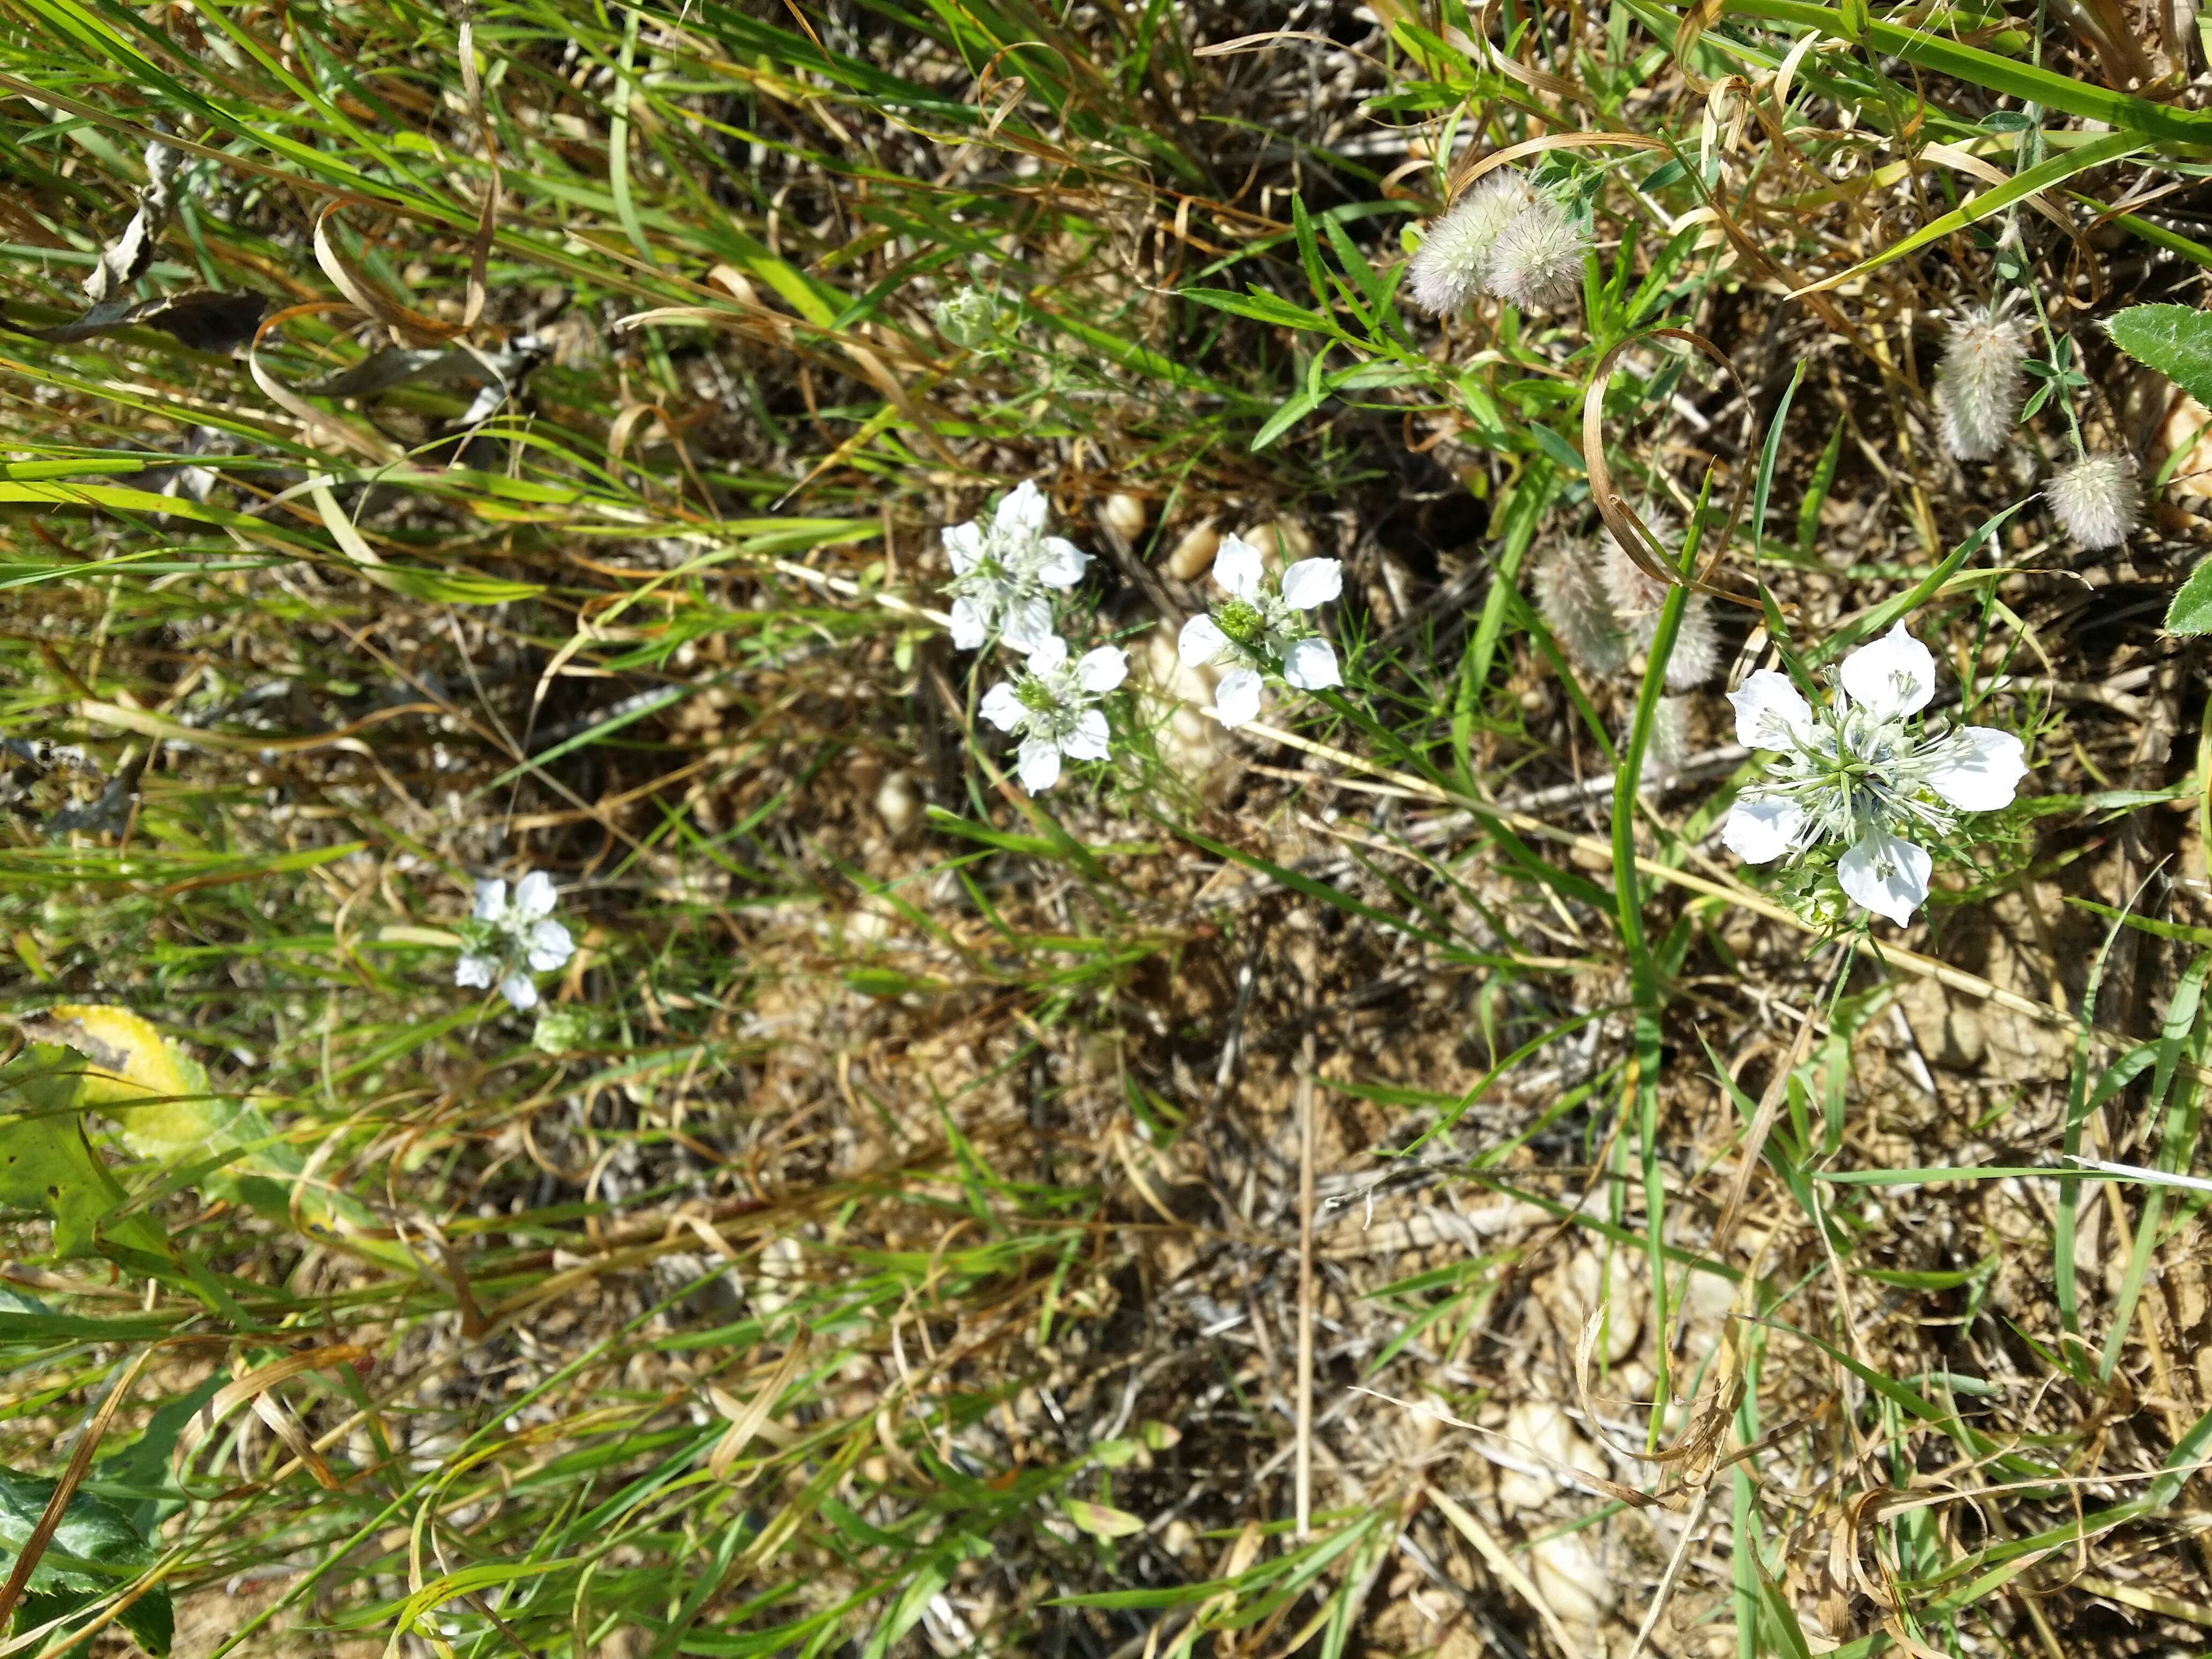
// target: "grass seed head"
[[2097, 499]]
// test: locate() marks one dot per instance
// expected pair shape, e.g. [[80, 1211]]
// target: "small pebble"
[[1193, 556], [1122, 514], [897, 803]]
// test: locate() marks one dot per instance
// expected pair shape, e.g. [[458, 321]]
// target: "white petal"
[[491, 900], [517, 990], [1769, 713], [963, 545], [1236, 699], [1022, 510], [1102, 670], [1200, 641], [1062, 564], [474, 971], [1979, 769], [550, 946], [1310, 582], [533, 896], [1760, 829], [971, 624], [1889, 876], [1038, 764], [1089, 739], [1048, 654], [1893, 677], [1237, 567], [1028, 625], [1311, 664], [1002, 707]]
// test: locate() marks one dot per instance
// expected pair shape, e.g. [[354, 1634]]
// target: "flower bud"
[[1537, 259], [1448, 267], [1979, 382], [2096, 499]]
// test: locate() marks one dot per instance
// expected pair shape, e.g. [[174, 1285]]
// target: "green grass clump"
[[439, 446]]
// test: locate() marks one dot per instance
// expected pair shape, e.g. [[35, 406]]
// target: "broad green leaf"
[[2175, 340], [94, 1552], [2191, 609], [141, 1479], [47, 1166]]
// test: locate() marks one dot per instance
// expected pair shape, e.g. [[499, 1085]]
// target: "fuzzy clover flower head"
[[1862, 772], [1537, 259], [1053, 706], [2096, 499], [1636, 596], [1980, 382], [1573, 599], [1005, 573], [1262, 627], [508, 940], [1447, 269]]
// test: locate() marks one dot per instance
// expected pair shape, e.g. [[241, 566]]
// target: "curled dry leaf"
[[204, 319]]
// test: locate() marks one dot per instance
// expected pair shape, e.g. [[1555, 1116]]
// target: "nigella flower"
[[2096, 499], [1979, 383], [1053, 706], [1449, 266], [1003, 573], [1261, 630], [1636, 595], [1861, 772], [507, 942], [1537, 259]]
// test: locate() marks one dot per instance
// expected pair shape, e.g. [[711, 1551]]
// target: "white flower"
[[2096, 499], [1862, 772], [508, 941], [1003, 573], [1447, 268], [1886, 875], [1261, 627], [1054, 708], [1979, 383]]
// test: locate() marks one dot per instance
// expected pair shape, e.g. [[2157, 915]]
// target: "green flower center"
[[1037, 697], [1241, 621]]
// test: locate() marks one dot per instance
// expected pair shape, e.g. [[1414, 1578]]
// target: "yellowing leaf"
[[165, 1110], [130, 1062], [1099, 1520]]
